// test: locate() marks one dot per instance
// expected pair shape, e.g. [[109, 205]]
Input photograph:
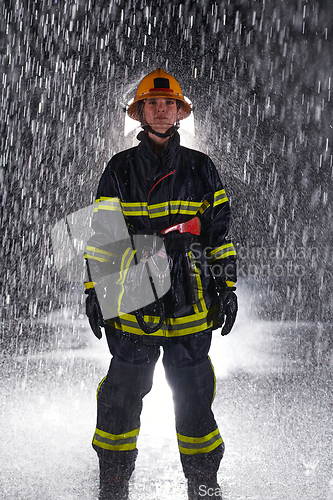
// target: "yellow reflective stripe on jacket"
[[89, 284], [116, 442], [107, 198], [125, 264], [94, 250], [230, 284], [135, 208], [220, 197], [139, 208], [200, 305], [98, 250], [105, 203], [93, 257], [204, 206], [222, 252], [174, 207], [193, 445], [172, 327]]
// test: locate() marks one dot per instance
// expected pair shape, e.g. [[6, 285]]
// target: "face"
[[160, 113]]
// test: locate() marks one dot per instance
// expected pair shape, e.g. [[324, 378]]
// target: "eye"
[[153, 102], [170, 102]]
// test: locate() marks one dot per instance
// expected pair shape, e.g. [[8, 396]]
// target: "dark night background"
[[259, 76]]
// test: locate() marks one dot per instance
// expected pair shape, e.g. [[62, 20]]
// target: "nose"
[[161, 106]]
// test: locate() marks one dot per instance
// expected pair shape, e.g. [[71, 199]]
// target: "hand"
[[228, 310], [94, 313]]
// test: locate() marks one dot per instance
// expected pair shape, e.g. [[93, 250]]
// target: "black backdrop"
[[259, 76]]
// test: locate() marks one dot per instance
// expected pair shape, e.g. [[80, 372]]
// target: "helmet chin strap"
[[168, 133]]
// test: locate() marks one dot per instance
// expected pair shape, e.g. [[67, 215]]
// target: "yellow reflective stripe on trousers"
[[99, 386], [194, 445], [116, 442], [214, 391]]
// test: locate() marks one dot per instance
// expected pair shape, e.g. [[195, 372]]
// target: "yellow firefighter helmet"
[[159, 84]]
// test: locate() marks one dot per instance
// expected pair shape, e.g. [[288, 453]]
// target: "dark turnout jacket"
[[154, 193]]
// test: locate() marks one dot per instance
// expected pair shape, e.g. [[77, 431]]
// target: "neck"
[[158, 144]]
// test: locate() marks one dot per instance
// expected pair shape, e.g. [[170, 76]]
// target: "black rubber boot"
[[112, 487], [204, 487]]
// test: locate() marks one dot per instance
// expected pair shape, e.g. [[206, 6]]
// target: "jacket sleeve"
[[219, 250], [109, 250]]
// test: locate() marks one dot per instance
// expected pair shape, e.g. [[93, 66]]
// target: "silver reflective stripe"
[[116, 442], [222, 252], [199, 446], [193, 445], [220, 197]]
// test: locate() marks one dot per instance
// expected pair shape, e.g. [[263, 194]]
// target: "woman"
[[169, 194]]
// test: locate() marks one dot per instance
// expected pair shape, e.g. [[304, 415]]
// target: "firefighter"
[[174, 194]]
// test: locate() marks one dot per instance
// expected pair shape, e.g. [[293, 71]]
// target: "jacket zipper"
[[170, 173]]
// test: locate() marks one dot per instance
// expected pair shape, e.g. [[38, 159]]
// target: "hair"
[[141, 105]]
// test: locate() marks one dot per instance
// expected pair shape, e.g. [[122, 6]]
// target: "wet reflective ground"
[[275, 410], [273, 405]]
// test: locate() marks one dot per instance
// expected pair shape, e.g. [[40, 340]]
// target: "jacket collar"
[[168, 153]]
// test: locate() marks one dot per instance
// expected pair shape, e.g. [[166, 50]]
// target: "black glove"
[[94, 313], [228, 310]]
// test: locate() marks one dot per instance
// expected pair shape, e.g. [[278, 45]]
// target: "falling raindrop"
[[259, 75]]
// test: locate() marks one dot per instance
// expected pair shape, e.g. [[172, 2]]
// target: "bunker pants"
[[119, 403]]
